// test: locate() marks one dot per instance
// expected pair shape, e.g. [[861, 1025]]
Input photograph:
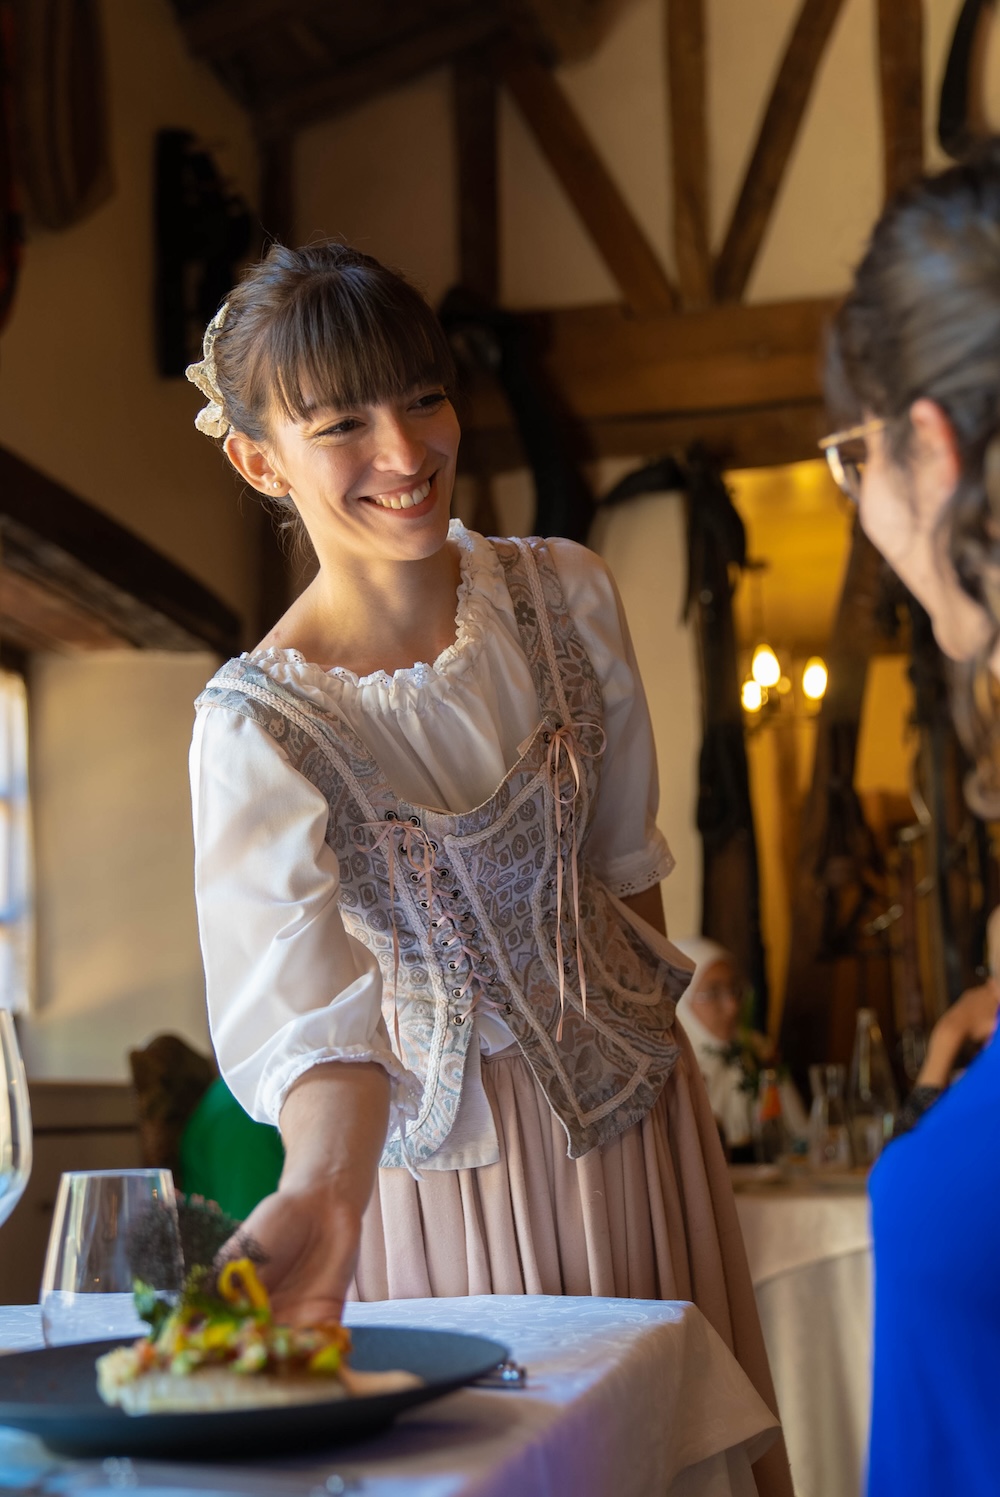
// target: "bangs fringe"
[[340, 345]]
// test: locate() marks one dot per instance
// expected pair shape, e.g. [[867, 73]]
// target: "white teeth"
[[403, 501]]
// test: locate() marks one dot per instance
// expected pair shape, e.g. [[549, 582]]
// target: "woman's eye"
[[340, 428], [432, 401]]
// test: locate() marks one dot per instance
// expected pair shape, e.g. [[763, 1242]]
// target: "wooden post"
[[901, 77], [474, 103], [686, 64]]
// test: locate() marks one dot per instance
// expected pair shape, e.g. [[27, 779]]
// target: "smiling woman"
[[428, 865]]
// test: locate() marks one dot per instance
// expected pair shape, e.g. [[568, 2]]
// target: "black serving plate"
[[53, 1394]]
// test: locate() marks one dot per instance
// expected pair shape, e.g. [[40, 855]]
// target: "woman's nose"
[[399, 445]]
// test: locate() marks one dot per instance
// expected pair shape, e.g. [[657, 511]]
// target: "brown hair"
[[923, 320]]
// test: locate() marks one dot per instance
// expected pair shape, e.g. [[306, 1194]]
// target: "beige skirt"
[[649, 1216]]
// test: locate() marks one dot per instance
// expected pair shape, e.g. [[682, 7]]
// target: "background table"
[[809, 1249], [626, 1398]]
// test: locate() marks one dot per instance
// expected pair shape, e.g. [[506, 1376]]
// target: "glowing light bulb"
[[814, 679], [752, 696], [764, 667]]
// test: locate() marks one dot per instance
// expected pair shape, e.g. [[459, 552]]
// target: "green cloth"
[[226, 1157]]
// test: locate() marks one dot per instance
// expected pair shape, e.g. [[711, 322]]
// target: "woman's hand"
[[972, 1019], [310, 1241], [333, 1125]]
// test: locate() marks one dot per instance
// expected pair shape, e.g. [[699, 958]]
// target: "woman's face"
[[373, 481], [718, 1001], [903, 511]]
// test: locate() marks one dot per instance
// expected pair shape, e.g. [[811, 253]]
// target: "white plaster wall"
[[80, 396], [118, 958], [644, 543]]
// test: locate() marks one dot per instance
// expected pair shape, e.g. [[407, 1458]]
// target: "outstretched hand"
[[333, 1124], [308, 1240], [971, 1019]]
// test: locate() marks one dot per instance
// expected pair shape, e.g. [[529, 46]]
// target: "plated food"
[[219, 1348]]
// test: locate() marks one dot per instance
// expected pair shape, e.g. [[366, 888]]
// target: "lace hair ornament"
[[212, 420]]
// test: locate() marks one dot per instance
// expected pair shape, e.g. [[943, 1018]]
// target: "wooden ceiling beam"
[[743, 380], [475, 99], [606, 363], [346, 87], [588, 184], [758, 437], [223, 25], [773, 148], [686, 73], [901, 78]]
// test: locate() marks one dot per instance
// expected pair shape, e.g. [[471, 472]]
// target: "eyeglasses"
[[718, 992], [846, 453]]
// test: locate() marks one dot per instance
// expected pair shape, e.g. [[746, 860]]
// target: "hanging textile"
[[11, 224], [61, 104]]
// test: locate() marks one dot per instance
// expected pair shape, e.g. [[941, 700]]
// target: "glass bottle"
[[770, 1136], [829, 1135], [872, 1101]]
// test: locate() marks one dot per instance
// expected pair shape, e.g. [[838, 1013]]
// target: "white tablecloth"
[[626, 1398], [809, 1248]]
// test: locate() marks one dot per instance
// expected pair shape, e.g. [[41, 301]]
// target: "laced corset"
[[493, 907]]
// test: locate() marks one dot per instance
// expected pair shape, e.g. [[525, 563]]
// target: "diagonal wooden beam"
[[475, 114], [901, 77], [343, 88], [588, 184], [686, 67], [773, 149]]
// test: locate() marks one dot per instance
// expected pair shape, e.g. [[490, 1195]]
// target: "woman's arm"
[[973, 1018], [649, 907], [333, 1126]]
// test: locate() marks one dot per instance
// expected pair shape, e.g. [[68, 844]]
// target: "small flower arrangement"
[[751, 1051]]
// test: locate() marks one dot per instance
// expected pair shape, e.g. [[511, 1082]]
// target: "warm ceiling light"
[[785, 685], [814, 679], [764, 667], [752, 696]]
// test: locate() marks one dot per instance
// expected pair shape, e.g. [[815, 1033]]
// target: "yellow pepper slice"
[[239, 1285]]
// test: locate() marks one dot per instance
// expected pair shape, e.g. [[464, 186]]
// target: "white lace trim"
[[406, 1089], [472, 620], [637, 872]]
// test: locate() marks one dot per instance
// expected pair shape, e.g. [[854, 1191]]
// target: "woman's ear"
[[254, 464], [935, 452]]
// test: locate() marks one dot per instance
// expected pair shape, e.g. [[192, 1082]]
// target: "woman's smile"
[[413, 498]]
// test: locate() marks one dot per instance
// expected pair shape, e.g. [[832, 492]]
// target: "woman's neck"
[[373, 614]]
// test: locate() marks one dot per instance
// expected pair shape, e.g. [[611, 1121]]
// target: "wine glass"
[[109, 1228], [15, 1119]]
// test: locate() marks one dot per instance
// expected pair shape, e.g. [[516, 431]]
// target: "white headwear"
[[704, 953], [212, 419]]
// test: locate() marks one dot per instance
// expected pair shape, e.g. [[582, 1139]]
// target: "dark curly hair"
[[923, 320]]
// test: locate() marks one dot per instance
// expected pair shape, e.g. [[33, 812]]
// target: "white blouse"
[[287, 987]]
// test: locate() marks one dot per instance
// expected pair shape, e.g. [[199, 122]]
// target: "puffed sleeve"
[[626, 849], [288, 988]]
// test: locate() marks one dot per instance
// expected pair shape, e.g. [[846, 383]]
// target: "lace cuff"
[[406, 1089], [637, 871], [920, 1100]]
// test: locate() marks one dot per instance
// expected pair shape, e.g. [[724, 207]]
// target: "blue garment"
[[935, 1196]]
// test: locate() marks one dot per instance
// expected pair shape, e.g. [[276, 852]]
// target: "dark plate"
[[53, 1394]]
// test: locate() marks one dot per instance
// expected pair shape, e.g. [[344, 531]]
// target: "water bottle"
[[829, 1134], [872, 1102], [770, 1136]]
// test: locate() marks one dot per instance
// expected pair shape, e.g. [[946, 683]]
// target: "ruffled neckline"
[[477, 564]]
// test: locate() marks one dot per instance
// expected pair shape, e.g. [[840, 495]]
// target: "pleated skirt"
[[650, 1215]]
